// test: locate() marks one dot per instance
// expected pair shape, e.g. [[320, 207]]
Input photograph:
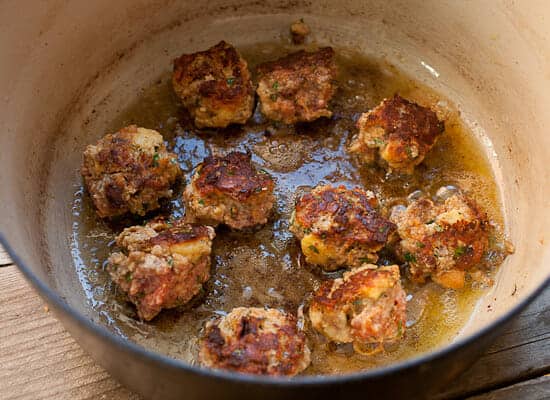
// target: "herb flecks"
[[409, 257], [314, 249], [460, 251], [156, 158]]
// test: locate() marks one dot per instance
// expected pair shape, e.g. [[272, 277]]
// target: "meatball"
[[162, 265], [298, 87], [129, 172], [366, 306], [397, 133], [255, 341], [215, 86], [441, 240], [299, 30], [339, 227], [231, 191]]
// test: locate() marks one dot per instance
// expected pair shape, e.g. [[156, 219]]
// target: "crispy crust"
[[153, 270], [230, 190], [367, 305], [344, 221], [215, 86], [232, 175], [298, 87], [353, 211], [255, 341], [129, 171], [442, 241], [181, 234], [398, 133]]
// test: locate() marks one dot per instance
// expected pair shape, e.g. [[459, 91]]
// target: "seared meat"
[[397, 133], [129, 172], [298, 87], [299, 30], [255, 341], [215, 86], [231, 191], [366, 306], [338, 227], [162, 265], [441, 240]]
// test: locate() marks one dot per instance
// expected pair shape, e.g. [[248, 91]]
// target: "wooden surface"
[[39, 359]]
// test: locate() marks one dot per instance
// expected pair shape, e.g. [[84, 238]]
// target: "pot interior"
[[74, 68]]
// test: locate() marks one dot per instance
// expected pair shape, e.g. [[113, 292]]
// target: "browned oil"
[[264, 267]]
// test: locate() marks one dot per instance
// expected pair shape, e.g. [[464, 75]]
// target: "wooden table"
[[40, 360]]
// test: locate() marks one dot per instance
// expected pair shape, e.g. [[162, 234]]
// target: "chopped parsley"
[[378, 141], [263, 171], [128, 277], [230, 81], [364, 260], [201, 202], [156, 158], [273, 97], [460, 250], [410, 257], [171, 262], [276, 85], [314, 249], [420, 245]]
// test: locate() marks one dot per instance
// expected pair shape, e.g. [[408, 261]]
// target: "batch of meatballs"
[[164, 263]]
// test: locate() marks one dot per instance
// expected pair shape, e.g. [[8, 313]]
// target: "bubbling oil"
[[264, 267]]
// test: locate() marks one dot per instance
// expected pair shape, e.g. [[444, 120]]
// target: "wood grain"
[[39, 359], [534, 389], [521, 352], [4, 258]]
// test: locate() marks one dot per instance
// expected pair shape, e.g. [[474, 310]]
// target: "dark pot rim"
[[54, 299]]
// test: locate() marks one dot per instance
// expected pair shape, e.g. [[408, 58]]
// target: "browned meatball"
[[441, 240], [339, 227], [231, 191], [162, 265], [215, 86], [255, 341], [129, 172], [366, 306], [298, 87], [398, 134]]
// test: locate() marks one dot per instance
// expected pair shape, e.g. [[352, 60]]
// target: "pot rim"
[[53, 298]]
